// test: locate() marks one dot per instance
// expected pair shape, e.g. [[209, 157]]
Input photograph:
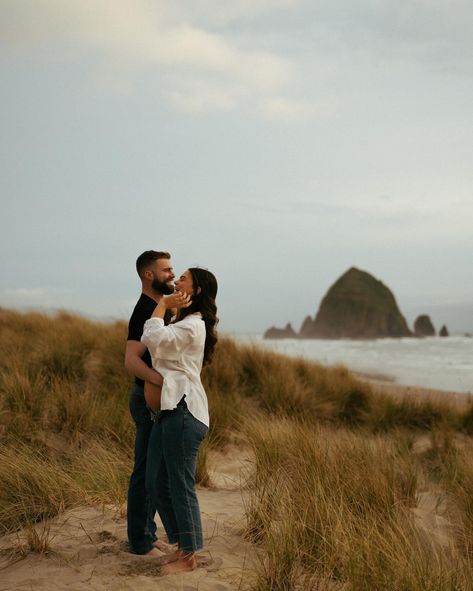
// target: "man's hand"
[[136, 366], [153, 396], [157, 378]]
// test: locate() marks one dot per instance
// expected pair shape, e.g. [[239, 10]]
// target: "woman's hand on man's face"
[[177, 300]]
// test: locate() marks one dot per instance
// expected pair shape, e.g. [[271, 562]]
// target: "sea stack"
[[307, 328], [281, 333], [357, 306], [423, 326], [444, 331]]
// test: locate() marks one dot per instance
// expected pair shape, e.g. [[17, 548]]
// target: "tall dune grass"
[[66, 435], [449, 462], [336, 472], [33, 486], [333, 506], [66, 374]]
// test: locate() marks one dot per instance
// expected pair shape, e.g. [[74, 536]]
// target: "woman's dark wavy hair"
[[204, 302]]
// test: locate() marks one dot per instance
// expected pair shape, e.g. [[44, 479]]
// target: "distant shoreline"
[[443, 364], [463, 399]]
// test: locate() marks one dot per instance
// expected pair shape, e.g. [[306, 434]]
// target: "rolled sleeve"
[[167, 342]]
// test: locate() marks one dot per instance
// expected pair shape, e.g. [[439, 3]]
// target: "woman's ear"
[[198, 291]]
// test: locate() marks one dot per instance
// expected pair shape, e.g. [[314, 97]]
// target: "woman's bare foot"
[[184, 563], [170, 557]]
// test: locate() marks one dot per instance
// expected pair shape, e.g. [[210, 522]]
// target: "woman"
[[178, 352]]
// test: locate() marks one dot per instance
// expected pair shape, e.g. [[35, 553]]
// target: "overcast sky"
[[275, 142]]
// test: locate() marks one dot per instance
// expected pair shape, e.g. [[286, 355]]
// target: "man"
[[156, 275]]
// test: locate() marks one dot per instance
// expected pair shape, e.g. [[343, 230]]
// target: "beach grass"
[[334, 507], [337, 474]]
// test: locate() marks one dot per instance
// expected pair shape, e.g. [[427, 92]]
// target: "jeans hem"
[[139, 552]]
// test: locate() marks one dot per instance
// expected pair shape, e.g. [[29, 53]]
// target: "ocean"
[[433, 362]]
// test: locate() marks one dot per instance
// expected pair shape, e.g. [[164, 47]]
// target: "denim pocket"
[[198, 428]]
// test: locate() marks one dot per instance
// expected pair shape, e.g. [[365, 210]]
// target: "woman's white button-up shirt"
[[177, 353]]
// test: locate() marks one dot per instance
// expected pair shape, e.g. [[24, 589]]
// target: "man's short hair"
[[147, 258]]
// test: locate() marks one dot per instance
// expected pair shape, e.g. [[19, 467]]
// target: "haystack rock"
[[281, 333], [357, 306], [444, 331], [423, 326]]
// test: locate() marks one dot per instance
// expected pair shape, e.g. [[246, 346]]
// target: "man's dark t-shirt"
[[141, 313]]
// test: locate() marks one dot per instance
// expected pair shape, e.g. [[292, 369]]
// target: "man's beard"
[[161, 287]]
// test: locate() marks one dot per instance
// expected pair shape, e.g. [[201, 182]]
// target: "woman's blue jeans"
[[170, 475]]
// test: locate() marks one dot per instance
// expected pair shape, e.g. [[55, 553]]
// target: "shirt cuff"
[[149, 329], [154, 322]]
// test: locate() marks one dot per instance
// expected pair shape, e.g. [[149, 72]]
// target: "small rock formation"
[[281, 333], [357, 306], [423, 326], [306, 328], [444, 331]]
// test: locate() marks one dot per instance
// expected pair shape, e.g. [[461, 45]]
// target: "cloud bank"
[[200, 69]]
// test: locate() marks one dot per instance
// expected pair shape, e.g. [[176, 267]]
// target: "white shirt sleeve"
[[167, 342]]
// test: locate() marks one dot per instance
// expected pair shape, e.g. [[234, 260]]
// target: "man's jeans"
[[170, 475], [140, 512]]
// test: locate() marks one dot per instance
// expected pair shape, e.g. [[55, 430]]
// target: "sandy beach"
[[89, 549]]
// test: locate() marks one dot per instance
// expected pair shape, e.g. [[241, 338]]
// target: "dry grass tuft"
[[38, 539], [33, 486]]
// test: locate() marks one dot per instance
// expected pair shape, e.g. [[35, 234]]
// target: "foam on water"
[[434, 362]]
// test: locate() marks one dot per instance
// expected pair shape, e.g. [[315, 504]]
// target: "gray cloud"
[[210, 71], [437, 32], [268, 140]]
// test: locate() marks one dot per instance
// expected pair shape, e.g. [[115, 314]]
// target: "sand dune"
[[89, 550]]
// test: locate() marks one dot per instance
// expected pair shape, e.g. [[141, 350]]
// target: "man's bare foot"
[[153, 553], [185, 563], [164, 546]]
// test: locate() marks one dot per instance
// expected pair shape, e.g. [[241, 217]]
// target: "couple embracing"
[[171, 335]]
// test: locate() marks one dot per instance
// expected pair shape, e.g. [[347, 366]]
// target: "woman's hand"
[[173, 301], [176, 300]]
